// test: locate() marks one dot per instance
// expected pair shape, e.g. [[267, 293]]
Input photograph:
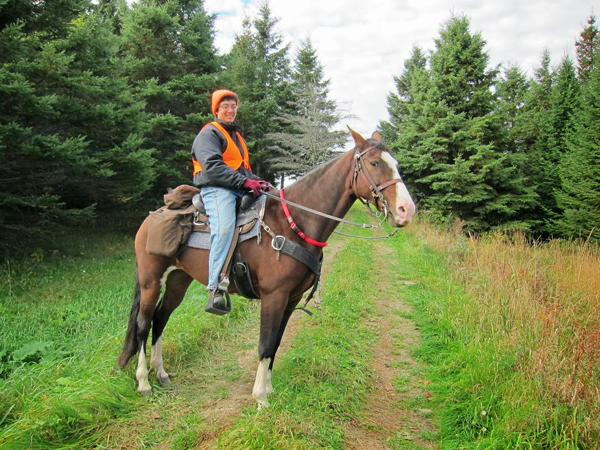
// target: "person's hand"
[[253, 185], [265, 185]]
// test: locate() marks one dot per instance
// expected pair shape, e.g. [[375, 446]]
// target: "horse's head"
[[376, 180]]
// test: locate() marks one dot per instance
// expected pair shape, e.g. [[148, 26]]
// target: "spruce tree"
[[258, 69], [556, 127], [529, 127], [588, 50], [307, 139], [512, 92], [171, 62], [578, 199], [453, 142], [412, 113], [69, 125]]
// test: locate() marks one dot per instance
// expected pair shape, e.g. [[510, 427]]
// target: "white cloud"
[[362, 45]]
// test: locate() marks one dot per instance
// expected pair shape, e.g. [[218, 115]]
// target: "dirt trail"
[[397, 409]]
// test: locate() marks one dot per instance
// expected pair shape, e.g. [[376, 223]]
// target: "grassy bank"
[[513, 330]]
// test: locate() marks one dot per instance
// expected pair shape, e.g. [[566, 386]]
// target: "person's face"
[[227, 110]]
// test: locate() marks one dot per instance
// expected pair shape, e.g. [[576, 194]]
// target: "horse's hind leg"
[[149, 293], [176, 286]]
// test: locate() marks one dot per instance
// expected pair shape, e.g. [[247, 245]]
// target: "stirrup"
[[212, 308]]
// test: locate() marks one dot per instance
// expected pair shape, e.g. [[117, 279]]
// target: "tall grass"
[[514, 328]]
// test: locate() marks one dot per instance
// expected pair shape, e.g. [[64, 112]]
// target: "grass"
[[63, 318], [510, 350], [512, 331]]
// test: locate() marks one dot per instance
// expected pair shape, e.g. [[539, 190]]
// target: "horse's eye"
[[374, 163]]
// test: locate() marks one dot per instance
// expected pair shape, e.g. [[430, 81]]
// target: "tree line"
[[495, 148], [100, 102]]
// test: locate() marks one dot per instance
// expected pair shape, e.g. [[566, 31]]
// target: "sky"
[[362, 45]]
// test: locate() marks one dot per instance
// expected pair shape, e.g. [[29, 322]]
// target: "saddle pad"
[[202, 239]]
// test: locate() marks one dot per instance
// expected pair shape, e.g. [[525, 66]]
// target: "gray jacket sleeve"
[[208, 149]]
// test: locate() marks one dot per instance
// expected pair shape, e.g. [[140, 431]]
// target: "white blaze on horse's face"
[[405, 207]]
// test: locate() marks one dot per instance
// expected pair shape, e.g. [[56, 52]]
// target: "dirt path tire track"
[[388, 414]]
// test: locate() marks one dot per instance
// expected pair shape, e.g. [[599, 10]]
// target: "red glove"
[[253, 185]]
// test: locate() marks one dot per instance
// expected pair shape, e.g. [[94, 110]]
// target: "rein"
[[319, 213], [359, 168]]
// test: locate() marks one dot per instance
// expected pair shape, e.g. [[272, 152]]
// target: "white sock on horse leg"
[[269, 383], [260, 384], [156, 362], [141, 373]]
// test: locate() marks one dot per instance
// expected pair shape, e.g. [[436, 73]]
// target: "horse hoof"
[[145, 392], [263, 404], [165, 381]]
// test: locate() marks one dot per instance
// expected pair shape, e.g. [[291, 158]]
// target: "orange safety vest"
[[232, 156]]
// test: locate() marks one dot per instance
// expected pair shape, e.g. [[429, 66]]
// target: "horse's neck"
[[326, 190]]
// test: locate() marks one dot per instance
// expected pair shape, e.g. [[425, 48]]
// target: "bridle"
[[360, 168]]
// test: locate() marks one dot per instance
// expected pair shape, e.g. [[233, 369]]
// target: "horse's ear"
[[377, 136], [358, 139]]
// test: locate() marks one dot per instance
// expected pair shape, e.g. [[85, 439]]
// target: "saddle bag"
[[180, 197], [170, 226], [169, 230]]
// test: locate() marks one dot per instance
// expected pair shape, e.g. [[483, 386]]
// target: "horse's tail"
[[132, 344]]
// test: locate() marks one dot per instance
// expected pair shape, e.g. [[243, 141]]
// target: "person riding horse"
[[222, 172]]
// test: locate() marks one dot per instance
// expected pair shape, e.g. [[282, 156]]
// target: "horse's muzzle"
[[403, 214]]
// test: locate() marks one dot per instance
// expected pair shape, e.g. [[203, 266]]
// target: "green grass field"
[[508, 356]]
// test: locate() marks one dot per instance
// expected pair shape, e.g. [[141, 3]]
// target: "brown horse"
[[367, 172]]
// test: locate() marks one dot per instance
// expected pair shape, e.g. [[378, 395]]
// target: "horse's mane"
[[316, 173]]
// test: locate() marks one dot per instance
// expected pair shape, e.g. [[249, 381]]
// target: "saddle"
[[248, 212]]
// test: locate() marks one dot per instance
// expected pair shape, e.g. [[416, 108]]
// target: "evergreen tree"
[[528, 129], [512, 92], [455, 148], [68, 122], [308, 139], [552, 142], [413, 112], [578, 199], [258, 70], [588, 50], [171, 62]]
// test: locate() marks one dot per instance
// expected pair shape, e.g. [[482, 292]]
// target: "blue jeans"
[[220, 205]]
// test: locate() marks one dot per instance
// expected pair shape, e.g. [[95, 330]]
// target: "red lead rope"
[[295, 227]]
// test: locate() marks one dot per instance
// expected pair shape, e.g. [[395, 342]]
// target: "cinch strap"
[[295, 227]]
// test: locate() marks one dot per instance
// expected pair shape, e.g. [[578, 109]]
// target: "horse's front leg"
[[275, 313], [272, 308]]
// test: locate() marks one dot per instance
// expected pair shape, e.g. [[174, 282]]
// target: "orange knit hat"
[[217, 96]]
